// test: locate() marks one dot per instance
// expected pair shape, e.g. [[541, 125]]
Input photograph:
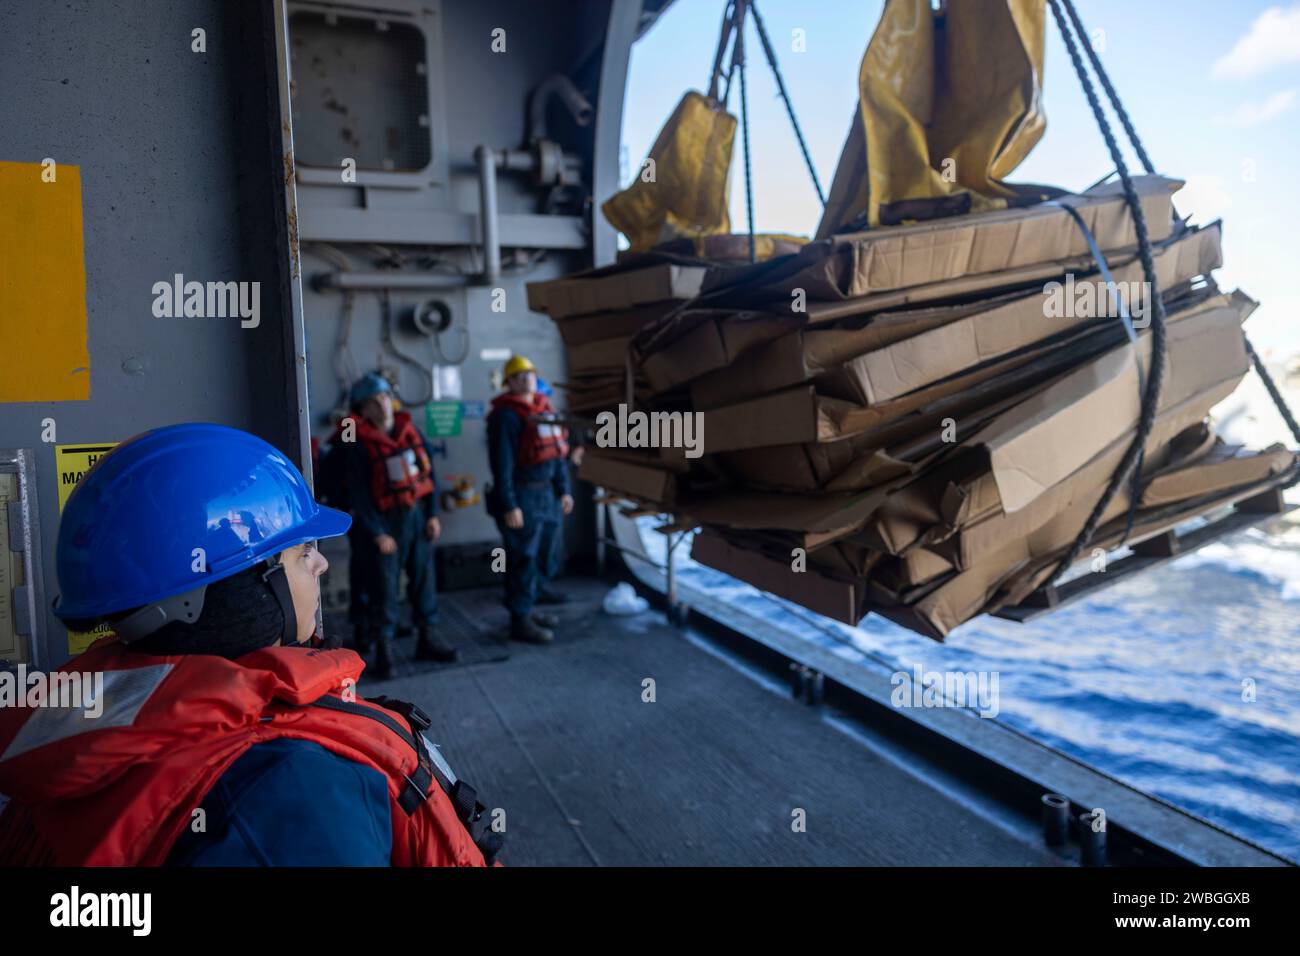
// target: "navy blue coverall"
[[382, 573], [291, 802], [536, 491]]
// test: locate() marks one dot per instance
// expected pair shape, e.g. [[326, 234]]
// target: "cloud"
[[1253, 113], [1273, 40]]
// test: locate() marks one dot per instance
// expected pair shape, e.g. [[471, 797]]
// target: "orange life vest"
[[119, 788], [541, 440], [400, 471]]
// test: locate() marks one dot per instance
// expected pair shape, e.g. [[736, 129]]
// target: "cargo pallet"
[[1150, 553]]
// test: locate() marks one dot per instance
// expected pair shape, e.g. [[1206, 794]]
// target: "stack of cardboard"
[[918, 420], [598, 313]]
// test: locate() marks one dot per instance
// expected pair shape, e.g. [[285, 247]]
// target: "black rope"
[[1116, 105], [1137, 487], [728, 14], [1156, 374], [738, 62], [1278, 400], [1272, 389], [789, 107]]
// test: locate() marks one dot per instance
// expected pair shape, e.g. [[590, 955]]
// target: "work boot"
[[524, 629], [547, 596], [542, 619], [429, 647], [383, 669]]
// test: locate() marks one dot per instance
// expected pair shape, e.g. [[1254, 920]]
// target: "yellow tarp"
[[942, 112], [681, 191], [43, 354]]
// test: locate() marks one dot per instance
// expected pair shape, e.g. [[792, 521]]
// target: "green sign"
[[442, 419]]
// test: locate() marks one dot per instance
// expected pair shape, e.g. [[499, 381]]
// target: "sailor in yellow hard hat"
[[515, 365], [530, 491]]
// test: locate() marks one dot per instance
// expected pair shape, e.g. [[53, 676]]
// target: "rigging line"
[[1156, 374], [738, 61], [1278, 400], [770, 53], [1110, 90]]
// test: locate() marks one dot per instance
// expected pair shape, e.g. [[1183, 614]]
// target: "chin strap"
[[277, 580]]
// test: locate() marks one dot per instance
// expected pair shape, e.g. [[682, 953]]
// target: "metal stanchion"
[[1056, 819]]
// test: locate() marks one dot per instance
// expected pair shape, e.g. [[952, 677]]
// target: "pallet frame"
[[1149, 553]]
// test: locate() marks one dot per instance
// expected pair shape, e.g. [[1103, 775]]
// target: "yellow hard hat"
[[518, 364]]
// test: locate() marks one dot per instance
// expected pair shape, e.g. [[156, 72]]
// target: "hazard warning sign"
[[72, 462]]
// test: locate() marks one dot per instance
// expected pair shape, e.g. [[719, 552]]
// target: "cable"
[[1156, 375], [345, 363], [386, 332], [1110, 90], [436, 339], [1278, 400], [724, 34], [789, 107], [738, 62], [1273, 392]]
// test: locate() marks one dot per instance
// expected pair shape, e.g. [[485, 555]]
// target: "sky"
[[1213, 89]]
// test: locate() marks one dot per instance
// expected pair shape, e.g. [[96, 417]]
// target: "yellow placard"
[[72, 462], [43, 352]]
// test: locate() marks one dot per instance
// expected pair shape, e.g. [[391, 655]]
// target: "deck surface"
[[710, 773]]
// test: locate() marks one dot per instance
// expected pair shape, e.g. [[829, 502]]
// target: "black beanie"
[[240, 614]]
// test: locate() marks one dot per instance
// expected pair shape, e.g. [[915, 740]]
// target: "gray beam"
[[624, 21], [519, 231]]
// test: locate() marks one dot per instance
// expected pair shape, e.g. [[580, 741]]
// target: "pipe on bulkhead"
[[486, 160], [557, 85], [388, 280]]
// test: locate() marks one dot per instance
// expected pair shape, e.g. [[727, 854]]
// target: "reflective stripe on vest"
[[400, 471], [122, 696], [541, 439]]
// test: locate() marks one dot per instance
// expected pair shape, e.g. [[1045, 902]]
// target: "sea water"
[[1183, 681]]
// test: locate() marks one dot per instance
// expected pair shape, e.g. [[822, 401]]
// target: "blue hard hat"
[[367, 386], [131, 526]]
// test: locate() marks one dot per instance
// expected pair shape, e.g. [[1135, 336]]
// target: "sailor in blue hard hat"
[[367, 387], [190, 517], [388, 484], [196, 544]]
